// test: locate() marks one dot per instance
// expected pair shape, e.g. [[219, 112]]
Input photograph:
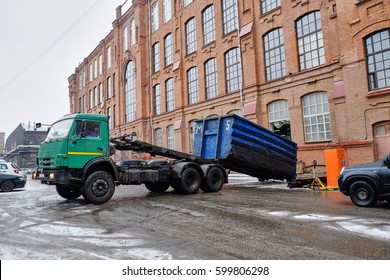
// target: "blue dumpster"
[[246, 147]]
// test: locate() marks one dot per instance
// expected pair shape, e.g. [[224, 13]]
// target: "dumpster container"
[[246, 147]]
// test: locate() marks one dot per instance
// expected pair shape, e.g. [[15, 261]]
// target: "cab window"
[[88, 129]]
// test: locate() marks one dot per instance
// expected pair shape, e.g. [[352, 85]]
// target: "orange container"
[[334, 162]]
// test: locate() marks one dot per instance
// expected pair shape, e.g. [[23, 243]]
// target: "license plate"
[[41, 175]]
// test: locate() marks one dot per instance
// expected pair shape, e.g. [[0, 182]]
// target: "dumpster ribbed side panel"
[[245, 147]]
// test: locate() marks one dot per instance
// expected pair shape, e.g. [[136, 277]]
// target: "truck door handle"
[[99, 149]]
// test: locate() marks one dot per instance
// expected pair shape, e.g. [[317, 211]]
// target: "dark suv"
[[367, 183]]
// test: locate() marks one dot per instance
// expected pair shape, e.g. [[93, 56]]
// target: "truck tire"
[[189, 182], [157, 187], [7, 186], [99, 187], [68, 192], [363, 194], [214, 180]]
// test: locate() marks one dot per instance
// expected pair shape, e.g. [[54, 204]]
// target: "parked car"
[[366, 184], [9, 167], [9, 182]]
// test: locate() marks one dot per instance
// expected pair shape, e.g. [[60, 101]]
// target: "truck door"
[[85, 143], [385, 175]]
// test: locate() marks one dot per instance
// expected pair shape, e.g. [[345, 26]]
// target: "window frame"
[[316, 121], [190, 35], [233, 73], [310, 44], [156, 57], [157, 108], [274, 52], [208, 25], [229, 16], [378, 59], [130, 92], [168, 49], [192, 85], [155, 17], [211, 78], [269, 5], [170, 95]]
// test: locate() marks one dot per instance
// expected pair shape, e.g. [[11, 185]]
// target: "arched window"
[[211, 78], [310, 41], [208, 25], [233, 70], [190, 36], [154, 16], [171, 137], [316, 117], [378, 59], [170, 94], [275, 59], [269, 5], [158, 137], [229, 16], [279, 118], [168, 49], [192, 83], [156, 57], [157, 99], [130, 92]]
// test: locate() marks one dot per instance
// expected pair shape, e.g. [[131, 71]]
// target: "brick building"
[[315, 71]]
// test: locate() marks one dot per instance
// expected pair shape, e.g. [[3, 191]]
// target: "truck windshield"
[[59, 130]]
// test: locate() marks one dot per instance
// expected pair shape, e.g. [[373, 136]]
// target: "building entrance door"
[[382, 139]]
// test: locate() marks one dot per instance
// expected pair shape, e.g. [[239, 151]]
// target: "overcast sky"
[[41, 44]]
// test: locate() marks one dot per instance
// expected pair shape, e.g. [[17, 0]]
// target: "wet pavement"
[[246, 220]]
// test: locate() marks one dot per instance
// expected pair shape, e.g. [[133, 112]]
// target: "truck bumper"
[[53, 177]]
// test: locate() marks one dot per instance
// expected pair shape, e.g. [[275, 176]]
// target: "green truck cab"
[[77, 146]]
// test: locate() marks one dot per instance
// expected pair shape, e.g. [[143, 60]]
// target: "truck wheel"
[[157, 187], [214, 180], [99, 188], [7, 186], [363, 194], [69, 192], [189, 183]]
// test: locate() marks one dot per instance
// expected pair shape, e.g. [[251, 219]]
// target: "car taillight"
[[16, 171]]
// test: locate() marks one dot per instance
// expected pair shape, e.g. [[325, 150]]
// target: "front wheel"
[[363, 194], [68, 192], [99, 187], [157, 187]]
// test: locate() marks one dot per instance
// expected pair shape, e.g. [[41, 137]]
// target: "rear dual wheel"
[[214, 180], [189, 182]]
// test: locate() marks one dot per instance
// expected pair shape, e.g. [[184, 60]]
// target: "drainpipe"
[[240, 57], [150, 73]]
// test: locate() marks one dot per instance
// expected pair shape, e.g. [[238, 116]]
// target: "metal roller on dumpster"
[[245, 147]]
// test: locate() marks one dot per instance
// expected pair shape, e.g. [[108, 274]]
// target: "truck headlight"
[[51, 176]]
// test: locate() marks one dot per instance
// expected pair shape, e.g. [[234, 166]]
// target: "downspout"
[[240, 57], [150, 73]]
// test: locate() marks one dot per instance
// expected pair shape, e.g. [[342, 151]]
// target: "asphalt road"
[[246, 220]]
